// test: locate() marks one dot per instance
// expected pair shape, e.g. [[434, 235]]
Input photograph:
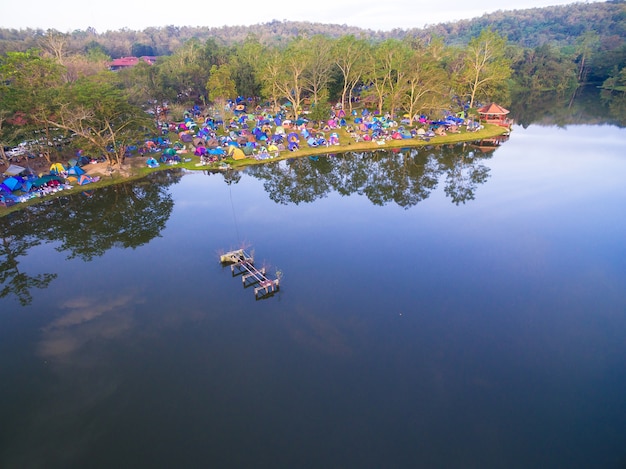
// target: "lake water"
[[447, 308]]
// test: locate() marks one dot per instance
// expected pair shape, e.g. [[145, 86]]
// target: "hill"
[[557, 25]]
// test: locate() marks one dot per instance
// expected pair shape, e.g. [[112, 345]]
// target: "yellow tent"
[[57, 168], [236, 153]]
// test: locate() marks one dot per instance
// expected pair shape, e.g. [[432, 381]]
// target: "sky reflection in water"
[[468, 314]]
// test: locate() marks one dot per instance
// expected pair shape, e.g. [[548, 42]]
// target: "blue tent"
[[12, 183], [76, 171]]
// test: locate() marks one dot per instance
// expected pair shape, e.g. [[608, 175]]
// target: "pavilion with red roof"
[[495, 114]]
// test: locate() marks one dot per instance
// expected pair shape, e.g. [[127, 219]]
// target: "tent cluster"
[[169, 153], [22, 184], [368, 127], [260, 132]]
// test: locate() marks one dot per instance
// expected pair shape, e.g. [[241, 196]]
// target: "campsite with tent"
[[253, 134], [22, 184]]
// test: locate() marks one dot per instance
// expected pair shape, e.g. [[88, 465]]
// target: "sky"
[[105, 15]]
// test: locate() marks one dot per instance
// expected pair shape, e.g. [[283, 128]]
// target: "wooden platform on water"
[[242, 264]]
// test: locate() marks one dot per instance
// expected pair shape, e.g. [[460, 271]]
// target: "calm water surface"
[[439, 308]]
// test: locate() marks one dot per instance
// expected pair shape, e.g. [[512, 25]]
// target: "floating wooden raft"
[[242, 263]]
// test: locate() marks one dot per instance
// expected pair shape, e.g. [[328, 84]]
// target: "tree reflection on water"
[[126, 215], [404, 177]]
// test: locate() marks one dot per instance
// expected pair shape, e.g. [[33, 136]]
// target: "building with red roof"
[[127, 62]]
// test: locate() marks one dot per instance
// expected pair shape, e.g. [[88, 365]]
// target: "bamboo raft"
[[242, 263]]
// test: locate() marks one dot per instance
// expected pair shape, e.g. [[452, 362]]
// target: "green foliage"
[[485, 67], [139, 50], [320, 112], [220, 86], [545, 69]]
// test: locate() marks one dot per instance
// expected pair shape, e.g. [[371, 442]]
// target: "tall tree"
[[349, 53], [386, 71], [318, 73], [586, 45], [187, 70], [245, 67], [485, 66], [55, 44], [426, 88], [545, 69], [220, 86], [5, 139], [283, 74], [271, 69]]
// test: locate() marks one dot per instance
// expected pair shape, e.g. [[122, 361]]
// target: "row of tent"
[[18, 183], [25, 181]]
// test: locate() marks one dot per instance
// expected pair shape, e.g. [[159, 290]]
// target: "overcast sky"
[[104, 15]]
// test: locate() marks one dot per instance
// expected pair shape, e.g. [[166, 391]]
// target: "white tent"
[[14, 170]]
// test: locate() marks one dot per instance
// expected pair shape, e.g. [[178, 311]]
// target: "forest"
[[55, 86]]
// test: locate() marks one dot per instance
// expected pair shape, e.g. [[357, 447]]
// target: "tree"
[[220, 86], [283, 74], [426, 88], [55, 44], [386, 71], [139, 50], [320, 64], [271, 67], [586, 45], [186, 71], [348, 53], [146, 84], [320, 112], [485, 67], [97, 111], [4, 136], [245, 67], [545, 69], [29, 85]]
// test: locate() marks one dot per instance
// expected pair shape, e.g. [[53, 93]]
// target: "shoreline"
[[489, 131], [135, 166]]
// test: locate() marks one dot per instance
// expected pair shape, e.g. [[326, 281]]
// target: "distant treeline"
[[557, 25]]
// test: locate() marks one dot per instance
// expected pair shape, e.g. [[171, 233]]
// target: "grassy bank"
[[136, 168], [348, 144]]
